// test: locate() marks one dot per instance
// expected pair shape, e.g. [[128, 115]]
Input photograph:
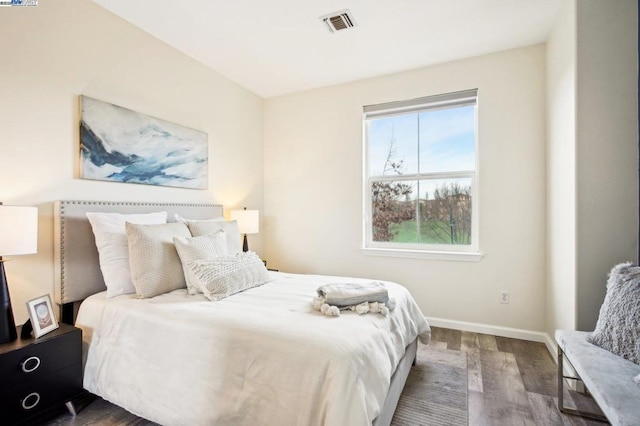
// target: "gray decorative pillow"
[[154, 262], [618, 326], [223, 276], [204, 247], [637, 379], [231, 229]]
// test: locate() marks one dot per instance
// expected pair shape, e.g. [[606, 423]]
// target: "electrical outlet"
[[504, 297]]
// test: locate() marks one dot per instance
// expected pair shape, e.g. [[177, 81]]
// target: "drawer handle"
[[35, 397], [33, 360]]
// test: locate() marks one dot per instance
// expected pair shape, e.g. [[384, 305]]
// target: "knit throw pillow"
[[618, 326], [227, 275]]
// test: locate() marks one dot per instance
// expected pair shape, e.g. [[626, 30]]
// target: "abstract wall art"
[[121, 145]]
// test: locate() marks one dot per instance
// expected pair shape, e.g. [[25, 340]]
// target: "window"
[[421, 175]]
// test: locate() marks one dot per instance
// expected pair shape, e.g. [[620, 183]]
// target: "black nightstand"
[[269, 269], [37, 375]]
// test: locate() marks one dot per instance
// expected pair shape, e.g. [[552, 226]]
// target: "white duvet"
[[260, 357]]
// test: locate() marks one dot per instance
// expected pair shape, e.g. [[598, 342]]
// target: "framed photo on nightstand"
[[43, 319]]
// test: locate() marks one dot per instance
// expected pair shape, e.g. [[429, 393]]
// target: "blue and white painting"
[[121, 145]]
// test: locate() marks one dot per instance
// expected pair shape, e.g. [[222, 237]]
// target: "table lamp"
[[248, 222], [18, 235]]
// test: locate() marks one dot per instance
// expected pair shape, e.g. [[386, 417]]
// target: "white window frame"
[[467, 252]]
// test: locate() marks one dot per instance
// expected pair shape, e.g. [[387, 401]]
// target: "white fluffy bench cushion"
[[221, 277], [154, 261], [618, 326], [204, 247]]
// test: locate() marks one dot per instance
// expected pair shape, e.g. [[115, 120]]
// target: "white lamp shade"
[[18, 230], [248, 220]]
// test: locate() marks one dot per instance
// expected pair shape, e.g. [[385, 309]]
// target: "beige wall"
[[313, 187], [606, 147], [592, 155], [52, 53], [561, 171]]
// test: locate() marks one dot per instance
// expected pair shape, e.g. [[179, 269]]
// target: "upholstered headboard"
[[77, 270]]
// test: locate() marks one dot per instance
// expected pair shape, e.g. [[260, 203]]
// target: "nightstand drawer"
[[38, 374], [40, 359], [25, 400]]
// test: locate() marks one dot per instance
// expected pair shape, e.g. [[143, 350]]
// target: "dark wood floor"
[[511, 381]]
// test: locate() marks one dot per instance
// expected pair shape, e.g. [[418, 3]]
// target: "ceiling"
[[275, 47]]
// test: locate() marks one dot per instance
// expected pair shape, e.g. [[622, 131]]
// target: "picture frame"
[[43, 319]]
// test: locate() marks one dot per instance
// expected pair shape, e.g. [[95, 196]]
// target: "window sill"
[[423, 254]]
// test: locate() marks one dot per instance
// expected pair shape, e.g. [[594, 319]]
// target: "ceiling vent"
[[338, 21]]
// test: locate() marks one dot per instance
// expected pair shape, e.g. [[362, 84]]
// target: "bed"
[[261, 356]]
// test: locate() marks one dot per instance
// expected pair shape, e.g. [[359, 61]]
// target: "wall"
[[561, 171], [64, 48], [313, 187], [606, 147], [592, 156]]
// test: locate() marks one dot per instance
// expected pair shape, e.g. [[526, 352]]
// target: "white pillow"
[[210, 226], [223, 276], [155, 264], [204, 247], [113, 250]]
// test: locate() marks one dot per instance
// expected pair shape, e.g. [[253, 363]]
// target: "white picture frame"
[[43, 319]]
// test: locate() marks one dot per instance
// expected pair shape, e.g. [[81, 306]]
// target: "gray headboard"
[[77, 270]]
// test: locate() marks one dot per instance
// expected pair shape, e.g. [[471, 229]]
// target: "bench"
[[608, 378]]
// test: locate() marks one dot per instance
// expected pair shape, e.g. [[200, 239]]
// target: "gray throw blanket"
[[350, 294]]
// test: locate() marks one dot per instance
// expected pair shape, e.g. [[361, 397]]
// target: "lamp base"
[[245, 244], [27, 329], [7, 325]]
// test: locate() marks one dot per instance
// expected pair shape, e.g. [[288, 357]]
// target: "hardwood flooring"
[[510, 382]]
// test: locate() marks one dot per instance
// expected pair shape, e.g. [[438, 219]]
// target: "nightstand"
[[40, 374], [269, 269]]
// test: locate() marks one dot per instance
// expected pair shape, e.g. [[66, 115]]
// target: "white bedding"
[[260, 357]]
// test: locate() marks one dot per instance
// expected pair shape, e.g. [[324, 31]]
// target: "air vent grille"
[[339, 21]]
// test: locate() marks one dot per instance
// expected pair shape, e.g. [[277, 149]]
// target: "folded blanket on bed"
[[343, 295]]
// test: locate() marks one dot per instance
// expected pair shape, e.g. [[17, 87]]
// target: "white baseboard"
[[514, 333]]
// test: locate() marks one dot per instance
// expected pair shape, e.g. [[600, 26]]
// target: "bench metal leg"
[[71, 408], [561, 407]]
